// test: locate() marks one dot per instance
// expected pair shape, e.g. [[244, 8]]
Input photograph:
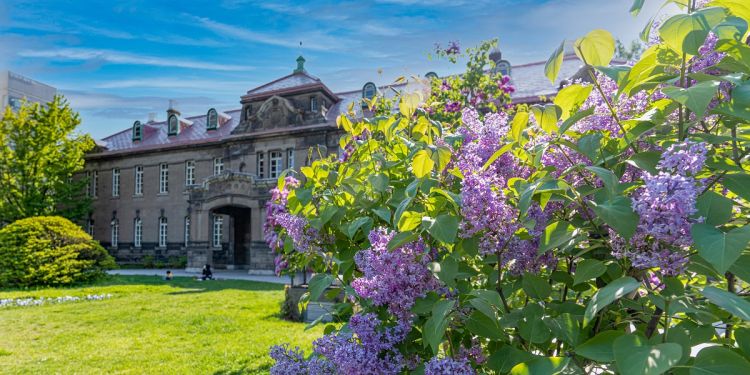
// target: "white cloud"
[[114, 57]]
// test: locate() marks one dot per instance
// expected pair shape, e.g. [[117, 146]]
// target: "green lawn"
[[149, 326]]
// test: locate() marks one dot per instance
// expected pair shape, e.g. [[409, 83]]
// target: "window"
[[162, 231], [88, 183], [290, 158], [216, 235], [94, 183], [163, 178], [90, 227], [261, 166], [173, 125], [368, 92], [190, 172], [275, 170], [137, 232], [137, 131], [218, 166], [212, 119], [187, 230], [115, 232], [313, 104], [115, 182], [138, 180]]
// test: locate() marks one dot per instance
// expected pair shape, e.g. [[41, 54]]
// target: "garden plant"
[[605, 231]]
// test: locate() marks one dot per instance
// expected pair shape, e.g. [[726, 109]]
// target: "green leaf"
[[547, 116], [532, 328], [719, 248], [481, 325], [356, 224], [497, 154], [535, 286], [634, 356], [541, 366], [571, 97], [435, 327], [578, 116], [739, 184], [599, 348], [733, 28], [318, 284], [742, 337], [422, 164], [409, 103], [520, 120], [610, 180], [618, 213], [554, 62], [504, 359], [687, 32], [696, 98], [728, 301], [636, 7], [596, 48], [447, 271], [739, 8], [379, 182], [610, 293], [715, 208], [555, 234], [717, 360], [741, 267], [588, 269], [383, 213], [444, 228], [400, 239], [646, 160], [565, 327], [409, 220]]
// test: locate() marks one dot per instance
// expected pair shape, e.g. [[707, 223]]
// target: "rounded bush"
[[49, 250]]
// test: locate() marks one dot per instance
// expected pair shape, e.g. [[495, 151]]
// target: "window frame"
[[218, 166], [186, 227], [313, 104], [115, 182], [163, 178], [289, 158], [173, 125], [137, 131], [274, 171], [137, 232], [138, 180], [189, 172], [260, 167], [114, 233], [217, 230], [163, 231], [373, 87], [212, 124]]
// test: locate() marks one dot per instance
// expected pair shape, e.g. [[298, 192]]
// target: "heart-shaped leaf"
[[618, 213], [547, 116], [634, 356], [696, 97], [728, 301], [687, 32], [717, 360], [422, 164], [610, 293], [719, 248], [588, 269], [554, 62], [714, 208], [596, 48]]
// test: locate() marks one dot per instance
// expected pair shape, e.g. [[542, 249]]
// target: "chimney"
[[151, 117], [172, 110]]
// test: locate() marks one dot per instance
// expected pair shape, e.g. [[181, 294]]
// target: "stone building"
[[196, 186]]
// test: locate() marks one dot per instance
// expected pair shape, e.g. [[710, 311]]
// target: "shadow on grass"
[[188, 285]]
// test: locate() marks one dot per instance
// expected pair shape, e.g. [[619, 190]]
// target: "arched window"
[[115, 232], [212, 119], [137, 131], [503, 67], [137, 232], [162, 231], [173, 125], [431, 75], [368, 92]]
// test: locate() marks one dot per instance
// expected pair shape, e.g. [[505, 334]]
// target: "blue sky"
[[117, 61]]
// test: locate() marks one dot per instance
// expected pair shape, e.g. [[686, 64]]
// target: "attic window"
[[212, 119], [368, 92], [137, 131], [313, 104], [173, 125], [503, 66]]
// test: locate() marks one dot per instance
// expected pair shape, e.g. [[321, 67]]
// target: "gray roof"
[[292, 80]]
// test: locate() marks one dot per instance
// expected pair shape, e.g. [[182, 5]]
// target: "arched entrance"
[[233, 237]]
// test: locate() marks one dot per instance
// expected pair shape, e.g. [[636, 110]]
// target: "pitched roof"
[[528, 79]]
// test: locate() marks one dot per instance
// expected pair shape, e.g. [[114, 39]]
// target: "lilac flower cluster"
[[351, 145], [394, 278], [666, 206], [625, 106], [448, 366], [453, 48], [277, 216], [368, 349], [504, 85], [452, 107]]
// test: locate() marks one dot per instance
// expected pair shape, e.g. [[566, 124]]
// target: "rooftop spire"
[[300, 64]]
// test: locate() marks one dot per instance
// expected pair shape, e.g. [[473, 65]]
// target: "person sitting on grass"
[[207, 274], [169, 275]]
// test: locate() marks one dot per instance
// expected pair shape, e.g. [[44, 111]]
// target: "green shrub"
[[49, 250], [148, 261], [177, 262]]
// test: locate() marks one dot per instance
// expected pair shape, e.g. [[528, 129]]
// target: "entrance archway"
[[234, 252]]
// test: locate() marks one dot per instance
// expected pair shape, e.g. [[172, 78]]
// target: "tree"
[[631, 53], [39, 155]]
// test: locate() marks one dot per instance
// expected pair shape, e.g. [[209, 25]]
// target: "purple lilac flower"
[[452, 107], [453, 48], [445, 86], [665, 204], [394, 278], [626, 107], [684, 158], [448, 366], [287, 361]]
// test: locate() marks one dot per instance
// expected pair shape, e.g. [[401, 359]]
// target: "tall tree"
[[40, 151]]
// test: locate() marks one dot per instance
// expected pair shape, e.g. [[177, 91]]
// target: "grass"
[[149, 326]]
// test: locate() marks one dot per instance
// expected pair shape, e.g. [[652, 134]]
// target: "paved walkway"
[[218, 274]]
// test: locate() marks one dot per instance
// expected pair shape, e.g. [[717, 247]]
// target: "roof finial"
[[300, 65]]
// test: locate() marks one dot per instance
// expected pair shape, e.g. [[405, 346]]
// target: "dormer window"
[[368, 92], [313, 104], [212, 119], [137, 131], [503, 67], [173, 125]]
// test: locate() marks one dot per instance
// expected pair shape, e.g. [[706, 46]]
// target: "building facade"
[[196, 186], [14, 88]]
